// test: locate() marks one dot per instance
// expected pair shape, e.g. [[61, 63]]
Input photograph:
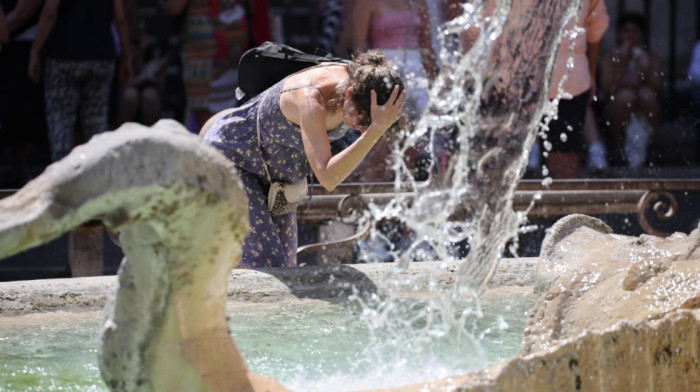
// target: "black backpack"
[[267, 64]]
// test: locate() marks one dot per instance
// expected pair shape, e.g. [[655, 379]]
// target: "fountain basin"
[[294, 325]]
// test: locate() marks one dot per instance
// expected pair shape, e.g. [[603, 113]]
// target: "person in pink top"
[[577, 84], [400, 30], [566, 133]]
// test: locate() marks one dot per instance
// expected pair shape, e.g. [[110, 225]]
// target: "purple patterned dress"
[[272, 241]]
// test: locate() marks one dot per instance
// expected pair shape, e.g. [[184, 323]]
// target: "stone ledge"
[[272, 284]]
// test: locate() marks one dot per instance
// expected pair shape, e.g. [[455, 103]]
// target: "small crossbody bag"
[[282, 198]]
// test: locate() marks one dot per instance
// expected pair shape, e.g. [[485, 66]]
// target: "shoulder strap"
[[304, 86], [257, 129]]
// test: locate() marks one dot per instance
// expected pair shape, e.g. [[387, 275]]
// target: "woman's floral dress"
[[272, 241]]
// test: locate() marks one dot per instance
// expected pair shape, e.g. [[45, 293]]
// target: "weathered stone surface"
[[274, 284], [652, 355], [553, 266], [607, 278]]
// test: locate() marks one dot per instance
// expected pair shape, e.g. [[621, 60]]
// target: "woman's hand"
[[386, 115]]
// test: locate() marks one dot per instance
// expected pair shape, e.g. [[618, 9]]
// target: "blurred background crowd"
[[72, 68]]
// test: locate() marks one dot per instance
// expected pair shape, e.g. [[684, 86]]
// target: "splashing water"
[[492, 101], [307, 345]]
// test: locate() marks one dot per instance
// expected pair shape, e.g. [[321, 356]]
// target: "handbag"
[[282, 198]]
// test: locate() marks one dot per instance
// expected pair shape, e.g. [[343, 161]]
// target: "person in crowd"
[[401, 31], [21, 101], [283, 135], [140, 100], [333, 17], [215, 37], [75, 38], [574, 87], [567, 132], [631, 79]]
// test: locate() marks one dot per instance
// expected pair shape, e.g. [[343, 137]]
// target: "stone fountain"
[[615, 312]]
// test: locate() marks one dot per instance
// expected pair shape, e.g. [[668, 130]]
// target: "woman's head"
[[632, 27], [370, 71]]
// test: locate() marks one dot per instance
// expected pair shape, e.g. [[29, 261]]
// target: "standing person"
[[215, 37], [578, 88], [566, 133], [401, 31], [284, 134], [333, 15], [79, 52], [141, 99], [631, 80], [21, 101]]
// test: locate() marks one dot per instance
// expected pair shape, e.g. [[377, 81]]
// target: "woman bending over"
[[284, 134]]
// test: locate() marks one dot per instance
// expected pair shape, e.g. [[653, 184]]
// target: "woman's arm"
[[331, 170], [4, 35], [46, 22], [361, 19]]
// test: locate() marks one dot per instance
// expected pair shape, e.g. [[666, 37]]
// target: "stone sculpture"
[[616, 313], [181, 215]]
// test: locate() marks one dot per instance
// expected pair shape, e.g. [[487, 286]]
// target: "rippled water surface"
[[308, 345]]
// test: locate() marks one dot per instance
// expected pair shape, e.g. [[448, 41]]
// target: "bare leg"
[[648, 105], [597, 155], [619, 113], [128, 105], [590, 127], [150, 105]]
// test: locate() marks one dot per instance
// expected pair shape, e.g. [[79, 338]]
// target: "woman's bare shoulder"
[[321, 76]]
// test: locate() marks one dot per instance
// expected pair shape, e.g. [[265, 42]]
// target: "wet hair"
[[369, 71], [635, 18]]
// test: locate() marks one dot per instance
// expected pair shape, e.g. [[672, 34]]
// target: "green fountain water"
[[308, 345]]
